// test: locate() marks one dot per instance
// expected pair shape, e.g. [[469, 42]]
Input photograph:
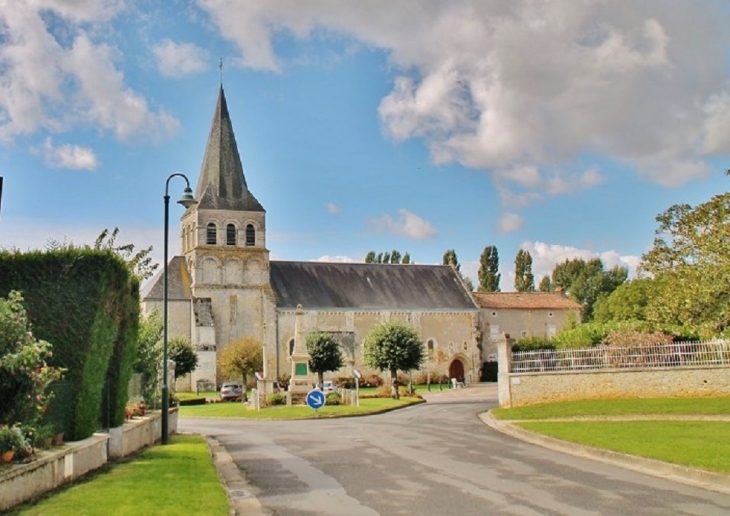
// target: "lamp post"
[[186, 200]]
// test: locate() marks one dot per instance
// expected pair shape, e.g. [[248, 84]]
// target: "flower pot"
[[7, 456], [58, 439]]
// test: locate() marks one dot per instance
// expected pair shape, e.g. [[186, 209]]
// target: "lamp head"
[[187, 198]]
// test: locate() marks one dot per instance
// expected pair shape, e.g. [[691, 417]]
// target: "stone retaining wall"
[[519, 389], [51, 469]]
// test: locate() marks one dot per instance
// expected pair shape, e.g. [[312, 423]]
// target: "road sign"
[[356, 373], [316, 399]]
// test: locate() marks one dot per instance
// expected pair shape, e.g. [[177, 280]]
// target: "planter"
[[58, 439], [7, 456]]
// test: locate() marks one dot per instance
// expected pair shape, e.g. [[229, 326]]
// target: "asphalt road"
[[436, 459]]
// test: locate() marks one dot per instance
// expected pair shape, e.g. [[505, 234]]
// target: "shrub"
[[373, 380], [276, 398], [533, 343], [333, 398], [12, 439]]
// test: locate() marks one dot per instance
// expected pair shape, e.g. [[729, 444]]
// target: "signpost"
[[316, 399]]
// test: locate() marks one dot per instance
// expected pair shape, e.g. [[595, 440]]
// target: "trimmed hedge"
[[86, 304]]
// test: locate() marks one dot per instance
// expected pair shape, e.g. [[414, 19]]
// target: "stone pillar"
[[504, 364], [299, 383]]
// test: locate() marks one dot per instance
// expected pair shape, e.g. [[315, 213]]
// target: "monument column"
[[299, 384]]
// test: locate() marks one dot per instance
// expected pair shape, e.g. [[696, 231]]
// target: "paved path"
[[437, 458]]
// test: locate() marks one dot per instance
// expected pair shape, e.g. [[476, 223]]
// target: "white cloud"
[[509, 223], [546, 256], [407, 224], [179, 59], [74, 157], [57, 73], [529, 85], [333, 209]]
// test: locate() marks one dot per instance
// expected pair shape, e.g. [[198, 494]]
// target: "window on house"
[[291, 347], [230, 234], [493, 331], [211, 234], [550, 314], [250, 235], [494, 314]]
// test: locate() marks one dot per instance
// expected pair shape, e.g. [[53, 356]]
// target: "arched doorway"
[[456, 370]]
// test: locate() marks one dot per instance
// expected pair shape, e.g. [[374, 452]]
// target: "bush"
[[192, 401], [277, 398], [371, 381], [334, 398], [533, 343], [12, 439]]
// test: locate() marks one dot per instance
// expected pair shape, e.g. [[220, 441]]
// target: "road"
[[435, 459]]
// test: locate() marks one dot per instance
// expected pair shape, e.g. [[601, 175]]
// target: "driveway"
[[437, 458]]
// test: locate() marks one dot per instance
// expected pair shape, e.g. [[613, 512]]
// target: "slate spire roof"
[[222, 184]]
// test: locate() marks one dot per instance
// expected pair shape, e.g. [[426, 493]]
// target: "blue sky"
[[561, 128]]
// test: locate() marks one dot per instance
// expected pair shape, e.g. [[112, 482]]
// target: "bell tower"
[[224, 243]]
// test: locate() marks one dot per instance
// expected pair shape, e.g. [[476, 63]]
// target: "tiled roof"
[[368, 286], [222, 184], [525, 300]]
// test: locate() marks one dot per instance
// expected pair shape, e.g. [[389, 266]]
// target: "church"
[[224, 286]]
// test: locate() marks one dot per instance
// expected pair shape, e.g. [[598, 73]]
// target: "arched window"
[[211, 234], [250, 235], [430, 345], [230, 234], [291, 347]]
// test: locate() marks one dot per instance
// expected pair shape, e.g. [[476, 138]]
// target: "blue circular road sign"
[[316, 399]]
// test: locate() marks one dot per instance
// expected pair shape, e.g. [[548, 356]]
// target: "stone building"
[[224, 286], [521, 314]]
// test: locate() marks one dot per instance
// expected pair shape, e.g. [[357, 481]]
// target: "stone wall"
[[520, 389], [669, 382]]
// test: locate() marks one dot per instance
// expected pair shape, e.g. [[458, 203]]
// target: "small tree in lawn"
[[394, 346], [324, 354], [182, 351], [242, 358]]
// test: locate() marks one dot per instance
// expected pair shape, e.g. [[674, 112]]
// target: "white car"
[[328, 386]]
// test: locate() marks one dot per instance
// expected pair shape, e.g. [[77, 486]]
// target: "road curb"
[[690, 476], [241, 495]]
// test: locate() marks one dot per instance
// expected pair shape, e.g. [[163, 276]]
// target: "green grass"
[[698, 444], [618, 407], [192, 395], [239, 410], [175, 479]]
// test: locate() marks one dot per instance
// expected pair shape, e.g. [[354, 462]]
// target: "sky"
[[562, 128]]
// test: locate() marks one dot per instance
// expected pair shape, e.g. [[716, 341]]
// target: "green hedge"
[[86, 304]]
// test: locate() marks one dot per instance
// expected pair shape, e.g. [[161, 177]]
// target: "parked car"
[[231, 391], [328, 386]]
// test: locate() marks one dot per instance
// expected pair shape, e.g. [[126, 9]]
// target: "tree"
[[139, 262], [524, 279], [627, 303], [451, 259], [393, 257], [242, 357], [489, 270], [182, 351], [393, 346], [324, 354], [545, 284], [585, 281], [149, 356], [690, 260], [406, 259], [370, 257]]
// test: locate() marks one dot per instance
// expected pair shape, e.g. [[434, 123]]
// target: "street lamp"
[[186, 200]]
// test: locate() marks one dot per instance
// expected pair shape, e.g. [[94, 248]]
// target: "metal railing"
[[670, 354]]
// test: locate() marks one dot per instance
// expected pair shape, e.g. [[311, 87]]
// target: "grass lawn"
[[237, 409], [175, 479], [698, 444], [619, 407]]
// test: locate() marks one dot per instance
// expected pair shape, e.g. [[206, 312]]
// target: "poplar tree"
[[489, 270], [524, 279]]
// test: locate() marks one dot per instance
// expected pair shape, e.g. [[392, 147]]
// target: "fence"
[[671, 354]]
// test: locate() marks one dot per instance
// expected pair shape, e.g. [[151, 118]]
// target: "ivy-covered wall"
[[86, 304]]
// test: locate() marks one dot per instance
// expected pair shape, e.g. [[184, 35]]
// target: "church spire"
[[222, 184]]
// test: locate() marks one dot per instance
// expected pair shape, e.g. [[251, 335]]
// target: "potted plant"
[[12, 443]]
